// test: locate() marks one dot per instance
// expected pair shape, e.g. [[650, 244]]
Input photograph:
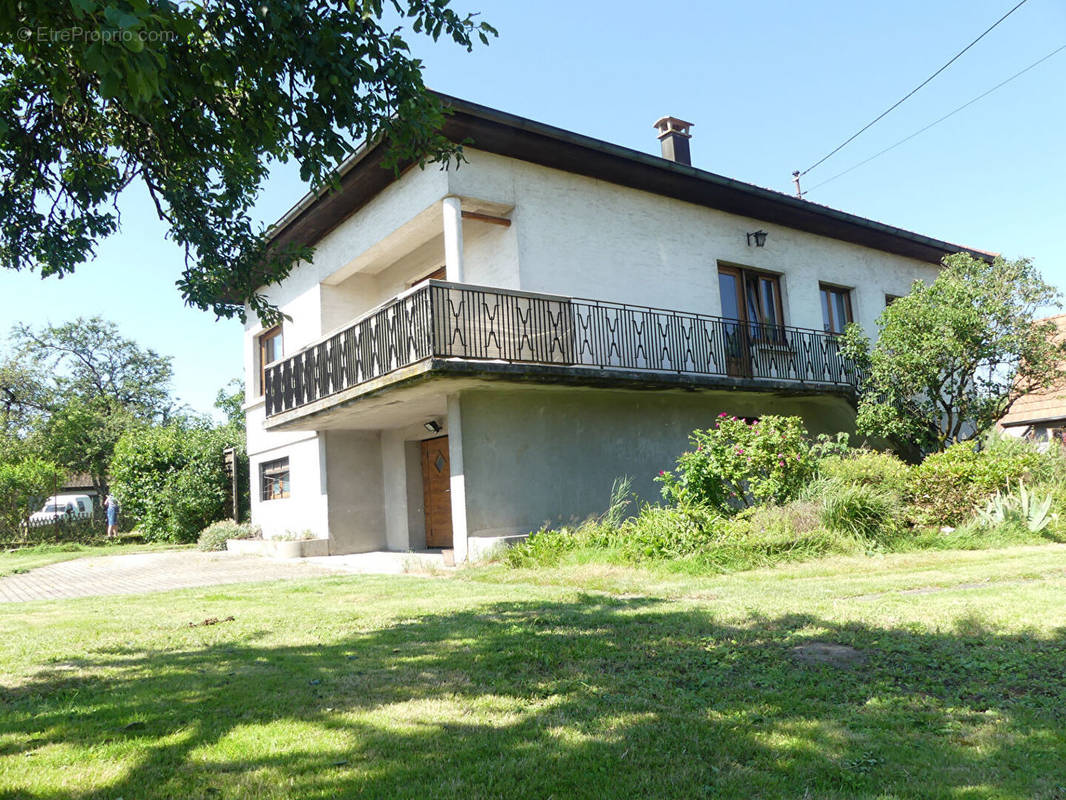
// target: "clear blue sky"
[[771, 85]]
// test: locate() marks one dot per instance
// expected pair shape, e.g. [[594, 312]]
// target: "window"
[[270, 350], [890, 299], [753, 297], [274, 479], [836, 308]]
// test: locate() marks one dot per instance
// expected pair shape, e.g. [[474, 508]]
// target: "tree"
[[194, 102], [21, 393], [73, 389], [230, 401], [172, 479], [23, 483], [954, 355]]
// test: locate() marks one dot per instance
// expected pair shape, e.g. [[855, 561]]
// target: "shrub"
[[23, 484], [739, 464], [544, 548], [665, 533], [172, 478], [948, 487], [797, 518], [826, 445], [867, 468], [214, 536]]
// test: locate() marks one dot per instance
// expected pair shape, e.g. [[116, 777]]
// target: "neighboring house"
[[1040, 415], [438, 383], [79, 483]]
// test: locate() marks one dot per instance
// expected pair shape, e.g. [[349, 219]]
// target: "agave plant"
[[1021, 507]]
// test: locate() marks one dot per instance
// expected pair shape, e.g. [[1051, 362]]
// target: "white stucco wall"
[[306, 507], [588, 238]]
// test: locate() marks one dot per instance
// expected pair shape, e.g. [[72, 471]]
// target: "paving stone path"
[[140, 573]]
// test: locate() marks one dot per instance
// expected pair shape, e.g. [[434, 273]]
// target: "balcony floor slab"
[[420, 390]]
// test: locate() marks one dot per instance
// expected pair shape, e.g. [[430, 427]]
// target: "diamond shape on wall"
[[439, 462]]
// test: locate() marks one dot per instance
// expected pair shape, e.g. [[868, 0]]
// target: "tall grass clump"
[[859, 509]]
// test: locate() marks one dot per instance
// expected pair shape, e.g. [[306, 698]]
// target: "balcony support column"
[[458, 479], [453, 238]]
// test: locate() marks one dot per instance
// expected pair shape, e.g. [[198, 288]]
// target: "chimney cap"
[[672, 125]]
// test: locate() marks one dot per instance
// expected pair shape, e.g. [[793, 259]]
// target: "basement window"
[[274, 479]]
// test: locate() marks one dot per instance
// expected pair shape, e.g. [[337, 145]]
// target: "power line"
[[946, 116], [899, 102]]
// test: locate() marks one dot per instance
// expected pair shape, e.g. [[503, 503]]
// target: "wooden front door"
[[437, 492]]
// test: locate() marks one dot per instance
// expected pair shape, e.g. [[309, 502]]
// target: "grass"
[[23, 559], [577, 681]]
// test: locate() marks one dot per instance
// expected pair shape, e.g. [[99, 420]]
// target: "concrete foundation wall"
[[416, 509], [537, 457], [356, 493]]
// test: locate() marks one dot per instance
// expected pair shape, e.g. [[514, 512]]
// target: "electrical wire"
[[937, 122], [900, 102]]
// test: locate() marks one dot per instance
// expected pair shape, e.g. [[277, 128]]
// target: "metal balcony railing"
[[458, 321]]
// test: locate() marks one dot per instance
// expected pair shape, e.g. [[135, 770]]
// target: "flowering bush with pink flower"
[[739, 463]]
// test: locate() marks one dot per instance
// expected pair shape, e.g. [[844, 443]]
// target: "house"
[[1040, 415], [476, 352]]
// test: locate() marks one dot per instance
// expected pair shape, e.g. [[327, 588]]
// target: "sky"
[[770, 86]]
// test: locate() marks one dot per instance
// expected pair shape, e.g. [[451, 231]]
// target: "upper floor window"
[[750, 296], [890, 299], [836, 308], [274, 479], [270, 350]]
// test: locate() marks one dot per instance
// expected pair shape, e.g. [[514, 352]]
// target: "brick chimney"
[[674, 136]]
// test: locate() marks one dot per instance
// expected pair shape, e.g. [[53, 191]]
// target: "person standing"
[[111, 506]]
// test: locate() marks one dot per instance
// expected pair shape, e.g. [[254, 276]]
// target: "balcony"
[[455, 328]]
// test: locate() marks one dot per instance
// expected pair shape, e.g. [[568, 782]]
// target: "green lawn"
[[12, 562], [591, 682]]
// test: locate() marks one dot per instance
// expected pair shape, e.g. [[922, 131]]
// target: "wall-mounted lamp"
[[432, 426], [759, 237]]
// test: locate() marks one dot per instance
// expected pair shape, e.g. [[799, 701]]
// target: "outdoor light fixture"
[[433, 426], [759, 237]]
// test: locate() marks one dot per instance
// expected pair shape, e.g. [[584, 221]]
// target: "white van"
[[64, 506]]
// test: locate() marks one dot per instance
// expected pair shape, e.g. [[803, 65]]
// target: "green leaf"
[[82, 7]]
